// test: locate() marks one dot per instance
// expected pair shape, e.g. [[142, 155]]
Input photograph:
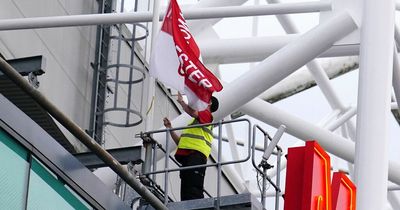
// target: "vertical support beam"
[[99, 87], [375, 77], [233, 146], [151, 81]]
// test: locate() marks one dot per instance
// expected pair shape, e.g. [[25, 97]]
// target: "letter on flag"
[[175, 61]]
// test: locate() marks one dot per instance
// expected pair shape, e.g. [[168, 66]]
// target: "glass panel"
[[13, 173], [48, 192]]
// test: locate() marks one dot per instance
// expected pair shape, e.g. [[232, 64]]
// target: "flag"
[[175, 61]]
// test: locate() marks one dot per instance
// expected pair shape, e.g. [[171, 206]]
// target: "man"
[[194, 147]]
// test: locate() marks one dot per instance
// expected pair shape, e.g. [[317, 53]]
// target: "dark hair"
[[214, 104]]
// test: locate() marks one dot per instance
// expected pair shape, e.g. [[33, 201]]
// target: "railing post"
[[166, 168], [154, 146], [264, 176], [219, 165], [278, 177], [146, 168]]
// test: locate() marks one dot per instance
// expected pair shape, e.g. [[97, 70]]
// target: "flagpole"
[[151, 83]]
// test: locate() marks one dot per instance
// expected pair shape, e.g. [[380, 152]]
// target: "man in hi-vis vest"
[[194, 147]]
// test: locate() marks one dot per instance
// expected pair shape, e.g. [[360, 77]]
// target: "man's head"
[[214, 104]]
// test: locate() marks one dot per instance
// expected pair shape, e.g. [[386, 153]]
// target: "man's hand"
[[180, 98], [193, 113], [167, 123]]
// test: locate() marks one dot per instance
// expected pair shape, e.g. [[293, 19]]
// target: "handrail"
[[203, 165], [218, 163], [266, 166]]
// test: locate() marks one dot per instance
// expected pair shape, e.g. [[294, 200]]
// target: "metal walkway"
[[244, 201]]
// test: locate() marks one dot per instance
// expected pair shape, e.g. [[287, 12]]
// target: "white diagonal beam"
[[304, 130], [315, 68], [284, 62]]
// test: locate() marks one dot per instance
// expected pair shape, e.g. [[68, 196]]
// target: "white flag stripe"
[[193, 101], [164, 62]]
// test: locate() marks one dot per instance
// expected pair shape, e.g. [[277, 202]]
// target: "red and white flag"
[[175, 61]]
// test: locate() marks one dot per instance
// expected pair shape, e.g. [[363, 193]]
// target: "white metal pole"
[[233, 146], [375, 77], [151, 80], [397, 36], [393, 200], [256, 49], [276, 67], [242, 11], [315, 68], [342, 119], [329, 118], [396, 76], [229, 131], [350, 166], [118, 18]]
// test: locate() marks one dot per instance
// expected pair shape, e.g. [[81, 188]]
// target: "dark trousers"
[[192, 180]]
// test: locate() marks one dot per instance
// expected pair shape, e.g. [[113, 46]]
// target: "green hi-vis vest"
[[198, 138]]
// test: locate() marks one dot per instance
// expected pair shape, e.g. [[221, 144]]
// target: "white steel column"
[[375, 77], [151, 81]]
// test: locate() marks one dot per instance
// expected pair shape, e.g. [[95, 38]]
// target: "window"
[[47, 191], [25, 183], [14, 170]]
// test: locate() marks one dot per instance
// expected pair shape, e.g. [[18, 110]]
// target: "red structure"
[[343, 192], [308, 181]]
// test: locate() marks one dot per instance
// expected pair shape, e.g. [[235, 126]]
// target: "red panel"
[[308, 178], [343, 192], [317, 180], [294, 178]]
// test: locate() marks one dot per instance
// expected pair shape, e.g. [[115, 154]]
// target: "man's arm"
[[193, 113], [174, 136]]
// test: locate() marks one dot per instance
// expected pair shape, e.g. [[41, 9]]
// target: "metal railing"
[[151, 154], [265, 165]]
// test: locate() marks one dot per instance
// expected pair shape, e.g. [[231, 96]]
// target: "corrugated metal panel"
[[34, 111]]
